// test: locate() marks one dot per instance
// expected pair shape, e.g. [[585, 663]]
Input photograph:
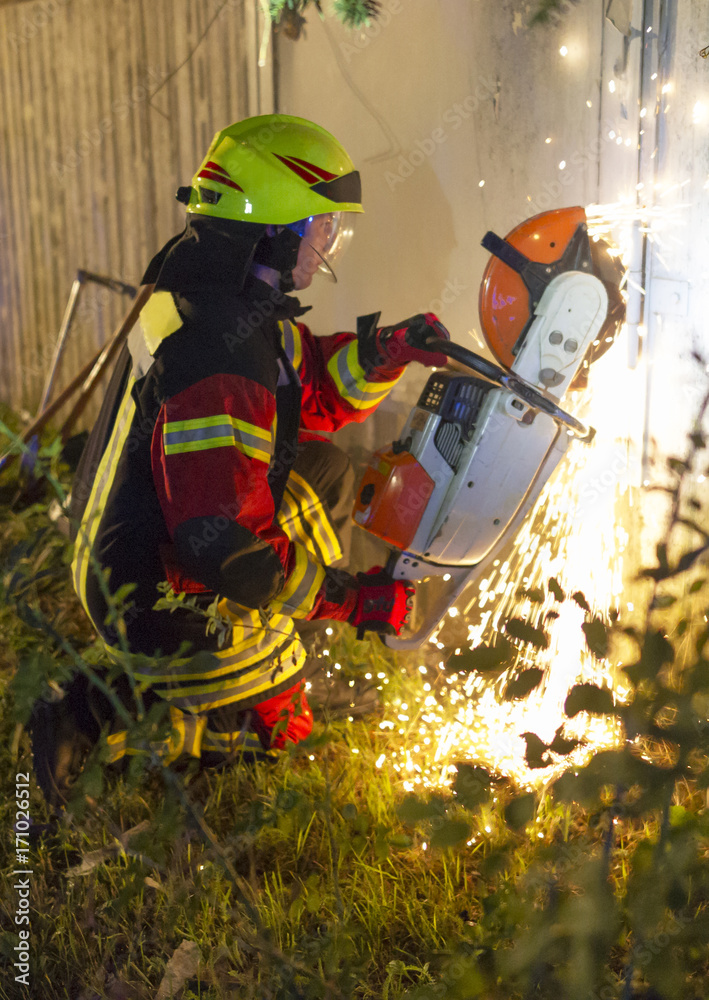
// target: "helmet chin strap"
[[280, 253]]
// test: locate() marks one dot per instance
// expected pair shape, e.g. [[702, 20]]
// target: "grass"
[[318, 876]]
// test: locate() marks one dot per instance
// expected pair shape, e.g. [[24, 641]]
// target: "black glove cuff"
[[368, 349], [337, 585]]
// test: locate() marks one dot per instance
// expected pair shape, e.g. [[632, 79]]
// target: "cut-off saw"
[[481, 442]]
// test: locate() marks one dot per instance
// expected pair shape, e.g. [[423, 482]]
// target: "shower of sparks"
[[577, 534]]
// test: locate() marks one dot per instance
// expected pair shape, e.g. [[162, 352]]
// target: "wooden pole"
[[107, 355], [87, 379]]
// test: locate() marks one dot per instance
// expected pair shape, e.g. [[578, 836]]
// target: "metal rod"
[[82, 276], [61, 340], [115, 284]]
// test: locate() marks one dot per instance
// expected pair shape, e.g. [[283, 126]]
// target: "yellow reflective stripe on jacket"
[[351, 381], [237, 657], [229, 743], [305, 520], [258, 682], [290, 522], [262, 654], [185, 738], [298, 596], [190, 735], [292, 342], [313, 511], [219, 431], [99, 494], [117, 746], [158, 319]]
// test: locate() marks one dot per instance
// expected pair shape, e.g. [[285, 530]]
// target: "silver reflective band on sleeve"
[[350, 379]]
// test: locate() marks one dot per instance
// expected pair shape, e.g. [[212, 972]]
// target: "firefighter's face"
[[316, 240]]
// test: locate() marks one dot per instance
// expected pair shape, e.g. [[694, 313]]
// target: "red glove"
[[383, 605], [398, 343]]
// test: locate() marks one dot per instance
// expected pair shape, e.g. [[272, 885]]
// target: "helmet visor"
[[326, 236]]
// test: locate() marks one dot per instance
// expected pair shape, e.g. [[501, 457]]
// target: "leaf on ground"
[[118, 990], [471, 785], [400, 840], [93, 859], [141, 827], [663, 601], [561, 745], [520, 629], [182, 966], [657, 650], [520, 810], [414, 809], [580, 599], [523, 683], [483, 658], [596, 637], [536, 596], [687, 560], [588, 698], [450, 832], [535, 754]]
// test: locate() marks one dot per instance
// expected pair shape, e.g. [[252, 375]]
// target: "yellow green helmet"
[[273, 169]]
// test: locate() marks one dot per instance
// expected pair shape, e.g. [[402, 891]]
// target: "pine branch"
[[356, 13], [352, 13]]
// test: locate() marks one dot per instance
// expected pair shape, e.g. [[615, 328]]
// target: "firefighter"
[[207, 467]]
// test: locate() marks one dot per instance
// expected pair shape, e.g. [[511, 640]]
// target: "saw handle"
[[420, 336], [512, 382]]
